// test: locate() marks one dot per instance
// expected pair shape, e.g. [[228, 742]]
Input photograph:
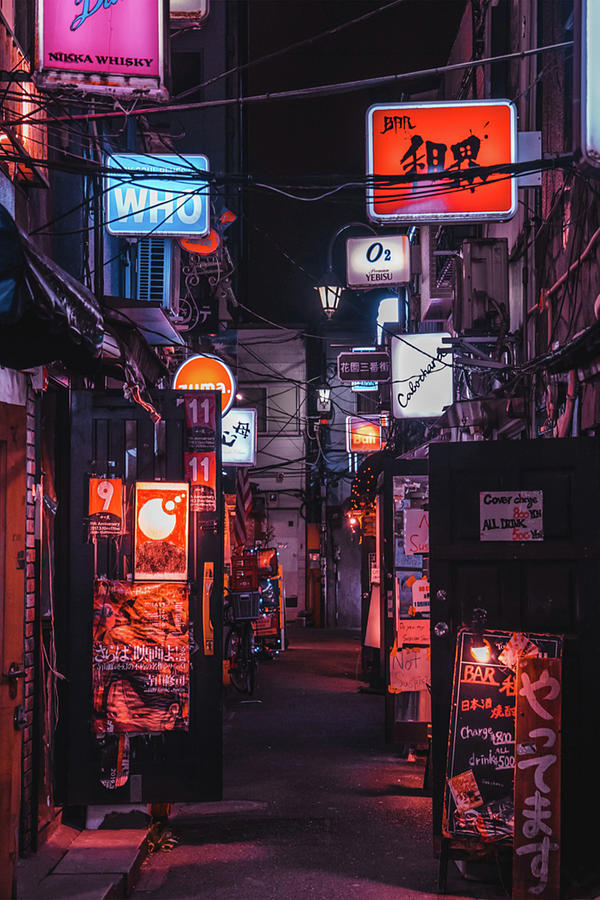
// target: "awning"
[[45, 313], [149, 317]]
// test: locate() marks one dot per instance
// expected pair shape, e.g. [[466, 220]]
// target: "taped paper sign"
[[410, 669], [511, 516], [413, 631], [416, 531]]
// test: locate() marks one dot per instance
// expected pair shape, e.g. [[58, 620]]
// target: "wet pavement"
[[315, 803]]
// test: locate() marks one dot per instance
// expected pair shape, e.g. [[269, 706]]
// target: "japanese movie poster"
[[140, 657], [161, 531]]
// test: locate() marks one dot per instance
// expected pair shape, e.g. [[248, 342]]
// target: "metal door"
[[548, 586], [106, 435]]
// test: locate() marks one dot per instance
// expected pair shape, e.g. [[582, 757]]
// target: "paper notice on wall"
[[416, 531], [511, 516], [420, 597], [413, 631], [410, 669]]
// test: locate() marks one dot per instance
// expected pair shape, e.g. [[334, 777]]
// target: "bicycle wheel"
[[238, 667]]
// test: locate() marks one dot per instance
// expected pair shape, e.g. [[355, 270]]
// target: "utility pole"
[[323, 537]]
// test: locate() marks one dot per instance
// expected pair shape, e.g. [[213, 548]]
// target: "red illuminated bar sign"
[[102, 46], [363, 434], [451, 139]]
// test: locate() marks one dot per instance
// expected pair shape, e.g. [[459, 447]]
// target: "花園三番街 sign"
[[114, 46], [165, 195], [449, 141], [511, 516]]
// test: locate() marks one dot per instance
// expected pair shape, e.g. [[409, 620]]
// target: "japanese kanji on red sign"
[[454, 139]]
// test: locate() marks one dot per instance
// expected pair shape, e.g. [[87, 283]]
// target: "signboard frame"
[[437, 215], [419, 374], [491, 796], [117, 84], [364, 273], [362, 420], [364, 359], [117, 179]]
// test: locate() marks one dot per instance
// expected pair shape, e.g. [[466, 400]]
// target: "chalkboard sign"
[[478, 801]]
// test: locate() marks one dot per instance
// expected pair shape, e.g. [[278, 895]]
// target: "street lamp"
[[330, 292], [330, 287]]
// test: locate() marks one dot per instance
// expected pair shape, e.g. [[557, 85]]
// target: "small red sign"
[[105, 507], [363, 434]]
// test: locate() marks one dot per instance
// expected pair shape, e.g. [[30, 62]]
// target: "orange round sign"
[[206, 373], [203, 246]]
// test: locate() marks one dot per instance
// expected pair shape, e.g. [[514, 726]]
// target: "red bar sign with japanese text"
[[450, 141], [536, 858]]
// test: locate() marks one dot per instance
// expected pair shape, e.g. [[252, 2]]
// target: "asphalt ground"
[[316, 805]]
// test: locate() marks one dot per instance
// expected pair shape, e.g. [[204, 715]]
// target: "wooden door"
[[545, 586], [12, 602]]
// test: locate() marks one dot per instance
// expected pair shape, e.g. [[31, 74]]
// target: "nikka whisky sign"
[[104, 46]]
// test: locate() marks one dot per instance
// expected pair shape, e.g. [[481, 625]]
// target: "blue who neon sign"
[[173, 203]]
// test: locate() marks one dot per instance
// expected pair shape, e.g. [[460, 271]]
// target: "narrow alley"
[[315, 804]]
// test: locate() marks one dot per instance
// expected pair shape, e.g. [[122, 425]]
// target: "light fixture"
[[481, 649], [324, 399], [330, 291]]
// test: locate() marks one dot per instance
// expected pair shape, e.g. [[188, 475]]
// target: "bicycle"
[[241, 610]]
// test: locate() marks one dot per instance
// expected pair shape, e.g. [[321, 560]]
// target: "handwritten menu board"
[[511, 516], [478, 801]]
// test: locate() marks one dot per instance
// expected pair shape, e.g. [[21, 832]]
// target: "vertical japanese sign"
[[480, 769], [449, 139], [114, 46], [200, 457], [140, 657], [161, 531], [105, 507], [536, 859], [239, 437]]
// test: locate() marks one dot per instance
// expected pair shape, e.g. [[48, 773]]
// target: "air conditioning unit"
[[481, 306], [155, 270]]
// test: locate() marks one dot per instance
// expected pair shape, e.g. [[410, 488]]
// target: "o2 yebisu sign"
[[206, 373], [170, 201]]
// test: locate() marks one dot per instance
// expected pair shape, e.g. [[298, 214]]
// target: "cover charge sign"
[[170, 201], [451, 141], [511, 516], [377, 261], [102, 46]]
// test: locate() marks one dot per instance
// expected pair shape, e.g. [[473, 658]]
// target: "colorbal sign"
[[173, 203], [421, 376], [377, 261]]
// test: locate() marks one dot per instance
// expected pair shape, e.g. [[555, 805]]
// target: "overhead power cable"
[[322, 90]]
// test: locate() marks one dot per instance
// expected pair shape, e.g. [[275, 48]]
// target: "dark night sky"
[[324, 135]]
